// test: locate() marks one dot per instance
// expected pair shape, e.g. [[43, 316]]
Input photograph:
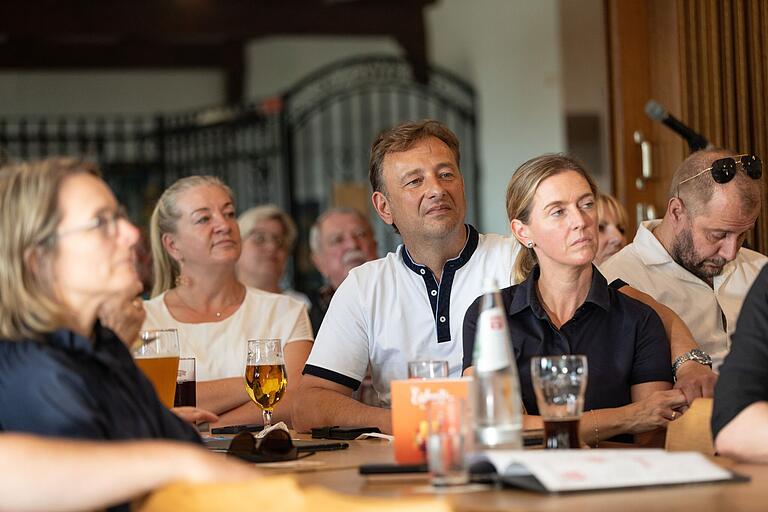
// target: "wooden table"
[[338, 471], [752, 495]]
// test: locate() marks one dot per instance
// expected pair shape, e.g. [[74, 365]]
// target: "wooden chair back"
[[692, 430]]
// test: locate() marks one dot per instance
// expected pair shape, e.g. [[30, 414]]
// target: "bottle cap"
[[490, 285]]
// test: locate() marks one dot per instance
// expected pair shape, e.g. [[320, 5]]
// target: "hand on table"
[[655, 411], [194, 415]]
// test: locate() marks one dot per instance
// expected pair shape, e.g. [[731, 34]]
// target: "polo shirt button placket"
[[442, 319]]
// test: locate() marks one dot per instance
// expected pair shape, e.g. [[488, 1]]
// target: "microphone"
[[695, 140]]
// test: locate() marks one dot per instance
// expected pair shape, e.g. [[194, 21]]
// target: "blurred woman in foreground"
[[65, 253], [195, 246]]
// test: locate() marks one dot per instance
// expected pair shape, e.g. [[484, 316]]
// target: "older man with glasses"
[[693, 260]]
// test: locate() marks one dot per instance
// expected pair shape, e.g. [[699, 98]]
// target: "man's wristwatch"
[[696, 355]]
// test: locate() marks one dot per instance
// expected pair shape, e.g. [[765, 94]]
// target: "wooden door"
[[705, 61], [644, 63]]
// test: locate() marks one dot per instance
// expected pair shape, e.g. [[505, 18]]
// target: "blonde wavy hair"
[[29, 218], [166, 270], [522, 190]]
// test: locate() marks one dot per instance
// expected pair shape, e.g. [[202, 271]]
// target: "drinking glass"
[[157, 354], [559, 383], [428, 369], [186, 384], [447, 422], [265, 378]]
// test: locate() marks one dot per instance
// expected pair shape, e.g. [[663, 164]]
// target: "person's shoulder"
[[256, 298], [623, 303], [751, 260], [626, 257], [372, 271], [154, 301], [494, 242], [301, 297], [32, 364]]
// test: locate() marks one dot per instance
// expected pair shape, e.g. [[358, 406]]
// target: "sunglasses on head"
[[724, 169]]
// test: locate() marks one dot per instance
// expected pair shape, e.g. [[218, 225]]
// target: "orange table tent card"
[[409, 412]]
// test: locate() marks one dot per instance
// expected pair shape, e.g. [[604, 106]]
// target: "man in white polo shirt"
[[410, 304], [692, 260]]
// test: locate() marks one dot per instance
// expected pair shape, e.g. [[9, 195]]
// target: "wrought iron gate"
[[293, 150]]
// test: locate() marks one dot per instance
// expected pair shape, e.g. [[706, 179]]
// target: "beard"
[[684, 253]]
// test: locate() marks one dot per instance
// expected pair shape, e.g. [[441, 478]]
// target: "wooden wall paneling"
[[629, 63], [714, 35], [691, 86], [759, 46], [742, 99], [666, 77], [729, 75]]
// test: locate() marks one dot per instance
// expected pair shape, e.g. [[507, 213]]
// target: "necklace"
[[217, 314]]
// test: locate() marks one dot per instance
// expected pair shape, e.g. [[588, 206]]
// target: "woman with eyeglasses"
[[269, 235], [195, 247], [65, 253]]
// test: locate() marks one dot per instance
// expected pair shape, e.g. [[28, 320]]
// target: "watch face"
[[701, 356]]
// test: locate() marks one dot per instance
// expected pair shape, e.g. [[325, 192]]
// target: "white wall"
[[510, 51], [108, 92], [585, 71], [276, 63]]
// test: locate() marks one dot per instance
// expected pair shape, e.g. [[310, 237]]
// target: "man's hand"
[[695, 380]]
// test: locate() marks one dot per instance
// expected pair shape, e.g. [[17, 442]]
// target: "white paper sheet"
[[578, 470]]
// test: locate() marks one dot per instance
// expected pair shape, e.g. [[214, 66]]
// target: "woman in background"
[[195, 247], [269, 235], [612, 226]]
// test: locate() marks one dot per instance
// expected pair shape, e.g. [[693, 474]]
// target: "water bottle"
[[497, 404]]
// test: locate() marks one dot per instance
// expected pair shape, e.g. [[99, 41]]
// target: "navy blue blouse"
[[70, 386], [623, 339]]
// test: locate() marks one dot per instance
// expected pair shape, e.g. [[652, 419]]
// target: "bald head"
[[697, 193], [706, 222]]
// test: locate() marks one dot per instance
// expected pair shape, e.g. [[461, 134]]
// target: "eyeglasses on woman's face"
[[105, 222]]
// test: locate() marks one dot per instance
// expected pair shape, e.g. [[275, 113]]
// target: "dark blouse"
[[70, 386], [623, 339]]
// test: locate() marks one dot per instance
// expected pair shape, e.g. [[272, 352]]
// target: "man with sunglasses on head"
[[692, 260]]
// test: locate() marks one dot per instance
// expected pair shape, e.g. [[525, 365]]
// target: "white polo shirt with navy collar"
[[709, 312], [392, 310]]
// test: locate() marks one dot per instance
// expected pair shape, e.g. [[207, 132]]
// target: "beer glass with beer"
[[157, 355], [265, 378], [559, 383]]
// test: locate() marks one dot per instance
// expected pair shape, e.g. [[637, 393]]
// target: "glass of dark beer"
[[186, 384], [559, 383]]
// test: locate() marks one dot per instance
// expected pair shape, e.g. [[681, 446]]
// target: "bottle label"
[[492, 344]]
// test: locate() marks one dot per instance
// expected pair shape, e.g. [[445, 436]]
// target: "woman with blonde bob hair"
[[195, 246], [563, 305], [612, 226], [65, 253]]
